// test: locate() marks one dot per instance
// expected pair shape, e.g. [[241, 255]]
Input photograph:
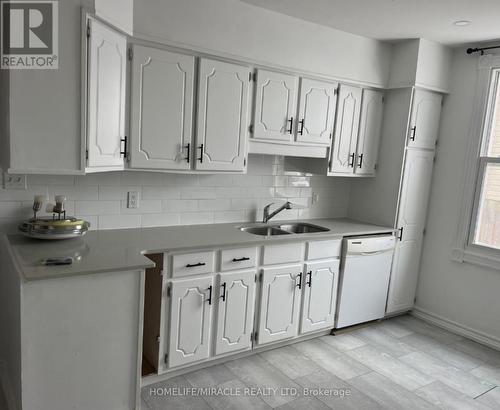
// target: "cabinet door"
[[162, 109], [369, 132], [222, 116], [235, 311], [346, 130], [424, 123], [318, 101], [279, 308], [107, 54], [414, 199], [275, 106], [190, 320], [320, 295]]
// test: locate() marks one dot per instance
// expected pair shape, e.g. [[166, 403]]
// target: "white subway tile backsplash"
[[116, 192], [151, 220], [172, 199], [160, 192], [146, 206], [197, 193], [180, 205], [97, 207], [214, 204], [142, 178], [195, 218], [73, 192], [119, 221], [229, 216]]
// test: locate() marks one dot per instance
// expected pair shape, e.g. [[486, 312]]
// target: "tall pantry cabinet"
[[399, 194]]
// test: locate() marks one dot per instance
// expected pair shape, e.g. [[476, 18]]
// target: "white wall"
[[464, 293], [240, 29], [173, 199]]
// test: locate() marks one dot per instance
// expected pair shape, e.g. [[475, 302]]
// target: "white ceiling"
[[398, 19]]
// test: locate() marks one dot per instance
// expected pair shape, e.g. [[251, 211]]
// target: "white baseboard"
[[6, 388], [454, 327]]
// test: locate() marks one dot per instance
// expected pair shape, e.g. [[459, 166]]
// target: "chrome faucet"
[[268, 216]]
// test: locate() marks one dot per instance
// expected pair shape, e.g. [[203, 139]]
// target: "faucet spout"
[[267, 216]]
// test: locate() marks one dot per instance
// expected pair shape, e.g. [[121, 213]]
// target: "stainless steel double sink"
[[284, 229]]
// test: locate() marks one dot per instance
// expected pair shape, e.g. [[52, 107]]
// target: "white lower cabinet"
[[279, 304], [192, 302], [320, 295], [235, 316]]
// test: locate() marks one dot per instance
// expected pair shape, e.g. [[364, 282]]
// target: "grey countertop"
[[124, 249]]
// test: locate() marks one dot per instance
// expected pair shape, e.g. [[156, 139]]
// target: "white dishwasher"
[[364, 279]]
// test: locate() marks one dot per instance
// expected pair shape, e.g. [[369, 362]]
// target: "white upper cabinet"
[[161, 109], [106, 81], [424, 122], [320, 295], [235, 311], [415, 188], [316, 111], [190, 320], [279, 305], [343, 155], [275, 106], [222, 116], [369, 132]]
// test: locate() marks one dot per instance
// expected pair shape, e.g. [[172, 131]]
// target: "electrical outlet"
[[14, 181], [132, 199], [314, 198]]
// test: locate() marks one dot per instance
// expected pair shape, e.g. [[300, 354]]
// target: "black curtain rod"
[[480, 50]]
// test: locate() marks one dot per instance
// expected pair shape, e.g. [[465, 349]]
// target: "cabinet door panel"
[[222, 116], [414, 199], [346, 130], [275, 106], [369, 132], [318, 100], [190, 321], [320, 295], [279, 303], [162, 107], [424, 123], [106, 96], [235, 312]]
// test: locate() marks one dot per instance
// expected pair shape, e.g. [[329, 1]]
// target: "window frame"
[[464, 249]]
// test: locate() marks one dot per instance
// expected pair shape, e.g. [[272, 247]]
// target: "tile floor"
[[401, 363]]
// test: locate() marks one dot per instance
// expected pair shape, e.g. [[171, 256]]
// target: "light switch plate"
[[14, 181], [132, 199]]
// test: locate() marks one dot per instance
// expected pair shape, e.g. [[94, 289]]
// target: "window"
[[478, 235], [486, 215]]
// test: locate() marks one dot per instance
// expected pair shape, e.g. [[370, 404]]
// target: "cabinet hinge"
[[255, 335], [256, 278], [168, 292], [165, 359], [88, 29], [331, 135], [252, 76], [244, 162], [130, 53], [86, 154], [336, 91], [250, 128], [330, 164], [375, 166]]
